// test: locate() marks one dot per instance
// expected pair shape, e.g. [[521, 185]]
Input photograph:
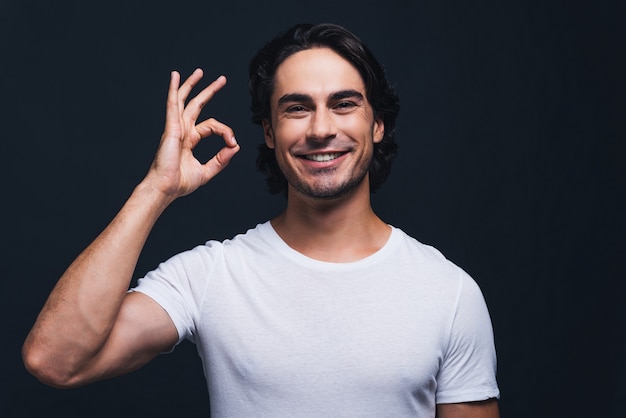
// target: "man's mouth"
[[323, 157]]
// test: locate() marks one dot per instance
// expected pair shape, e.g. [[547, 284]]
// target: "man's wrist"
[[151, 197]]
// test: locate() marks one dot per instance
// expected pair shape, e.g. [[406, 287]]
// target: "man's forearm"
[[81, 310]]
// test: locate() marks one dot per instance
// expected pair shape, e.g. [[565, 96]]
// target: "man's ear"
[[379, 130], [268, 132]]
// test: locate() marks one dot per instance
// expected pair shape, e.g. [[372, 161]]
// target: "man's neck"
[[339, 230]]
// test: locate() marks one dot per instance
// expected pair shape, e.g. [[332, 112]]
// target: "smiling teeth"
[[323, 157]]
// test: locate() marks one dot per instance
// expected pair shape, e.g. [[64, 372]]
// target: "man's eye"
[[296, 109], [344, 105]]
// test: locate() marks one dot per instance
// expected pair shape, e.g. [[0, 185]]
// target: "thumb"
[[220, 161]]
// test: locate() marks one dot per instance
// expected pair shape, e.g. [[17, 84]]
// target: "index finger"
[[189, 84], [195, 105], [214, 127]]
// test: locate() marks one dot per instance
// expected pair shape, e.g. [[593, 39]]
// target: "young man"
[[326, 310]]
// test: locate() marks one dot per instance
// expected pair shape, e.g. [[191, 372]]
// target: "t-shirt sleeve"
[[179, 285], [468, 371]]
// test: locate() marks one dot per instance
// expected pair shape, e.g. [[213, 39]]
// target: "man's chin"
[[327, 192]]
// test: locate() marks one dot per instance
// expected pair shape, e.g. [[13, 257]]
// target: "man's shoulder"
[[258, 239], [261, 233], [414, 244], [426, 256]]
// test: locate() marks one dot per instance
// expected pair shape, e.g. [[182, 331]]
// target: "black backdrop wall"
[[511, 163]]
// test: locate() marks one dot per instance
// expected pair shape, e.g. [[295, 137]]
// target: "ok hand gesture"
[[175, 171]]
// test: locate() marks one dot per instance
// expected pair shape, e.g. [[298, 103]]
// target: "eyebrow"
[[346, 94], [299, 97], [294, 97]]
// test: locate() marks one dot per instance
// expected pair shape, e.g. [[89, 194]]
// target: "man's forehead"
[[316, 72]]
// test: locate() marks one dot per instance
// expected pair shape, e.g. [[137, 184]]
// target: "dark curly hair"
[[379, 92]]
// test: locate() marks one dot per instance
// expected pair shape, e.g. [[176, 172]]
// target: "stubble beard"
[[324, 186]]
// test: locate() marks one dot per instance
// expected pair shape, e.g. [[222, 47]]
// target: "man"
[[323, 311]]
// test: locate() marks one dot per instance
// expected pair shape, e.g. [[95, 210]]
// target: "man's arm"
[[482, 409], [90, 328]]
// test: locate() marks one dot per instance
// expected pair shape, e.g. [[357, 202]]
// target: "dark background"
[[511, 162]]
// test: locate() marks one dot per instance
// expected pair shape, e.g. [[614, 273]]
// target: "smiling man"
[[325, 310], [326, 125]]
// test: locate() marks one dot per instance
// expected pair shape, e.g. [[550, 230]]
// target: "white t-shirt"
[[284, 335]]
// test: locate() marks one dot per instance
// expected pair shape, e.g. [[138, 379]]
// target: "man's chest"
[[336, 338]]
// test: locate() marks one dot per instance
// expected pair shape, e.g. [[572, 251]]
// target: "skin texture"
[[483, 409], [91, 329]]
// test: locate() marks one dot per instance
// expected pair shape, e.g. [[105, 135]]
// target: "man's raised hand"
[[175, 171]]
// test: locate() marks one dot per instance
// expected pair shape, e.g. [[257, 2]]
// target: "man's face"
[[323, 128]]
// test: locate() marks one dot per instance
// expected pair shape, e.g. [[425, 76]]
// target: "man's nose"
[[322, 126]]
